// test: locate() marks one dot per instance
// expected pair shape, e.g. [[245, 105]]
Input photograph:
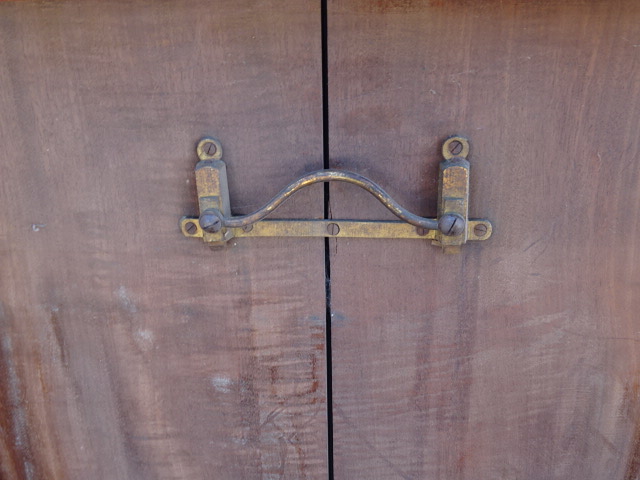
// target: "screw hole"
[[455, 146], [209, 149], [333, 229], [191, 228]]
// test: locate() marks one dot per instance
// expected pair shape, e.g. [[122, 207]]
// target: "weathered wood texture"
[[127, 350], [519, 358]]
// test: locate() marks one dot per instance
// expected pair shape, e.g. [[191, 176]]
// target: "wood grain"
[[128, 351], [519, 358]]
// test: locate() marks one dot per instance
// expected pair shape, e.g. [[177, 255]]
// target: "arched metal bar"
[[332, 176]]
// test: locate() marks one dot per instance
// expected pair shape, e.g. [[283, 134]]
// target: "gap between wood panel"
[[327, 215]]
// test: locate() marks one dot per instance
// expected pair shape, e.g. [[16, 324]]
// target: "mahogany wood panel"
[[519, 358], [127, 350]]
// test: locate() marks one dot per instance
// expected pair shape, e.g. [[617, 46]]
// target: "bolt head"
[[210, 221], [451, 224]]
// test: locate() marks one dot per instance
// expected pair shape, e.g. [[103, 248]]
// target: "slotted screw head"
[[455, 147], [451, 224], [480, 230], [210, 221], [333, 229], [209, 148]]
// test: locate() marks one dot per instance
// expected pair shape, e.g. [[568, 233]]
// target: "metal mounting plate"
[[452, 228]]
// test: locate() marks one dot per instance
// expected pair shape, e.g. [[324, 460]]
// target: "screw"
[[210, 221], [247, 228], [191, 228], [422, 231], [480, 230], [455, 147], [451, 224], [333, 229], [209, 148]]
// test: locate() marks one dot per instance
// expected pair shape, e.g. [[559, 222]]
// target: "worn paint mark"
[[338, 319], [222, 384], [144, 339], [314, 319], [125, 299]]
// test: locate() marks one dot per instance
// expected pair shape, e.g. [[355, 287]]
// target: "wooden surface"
[[128, 351], [519, 358]]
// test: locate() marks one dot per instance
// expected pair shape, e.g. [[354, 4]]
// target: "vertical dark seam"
[[327, 254]]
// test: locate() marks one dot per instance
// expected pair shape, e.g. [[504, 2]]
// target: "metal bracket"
[[216, 225]]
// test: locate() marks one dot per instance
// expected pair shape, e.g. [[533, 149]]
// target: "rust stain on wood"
[[16, 439], [410, 6], [633, 465], [384, 6], [58, 335], [630, 409]]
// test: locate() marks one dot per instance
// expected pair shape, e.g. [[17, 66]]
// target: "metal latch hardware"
[[451, 229]]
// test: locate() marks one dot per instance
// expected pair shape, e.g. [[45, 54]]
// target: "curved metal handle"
[[318, 177], [216, 225]]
